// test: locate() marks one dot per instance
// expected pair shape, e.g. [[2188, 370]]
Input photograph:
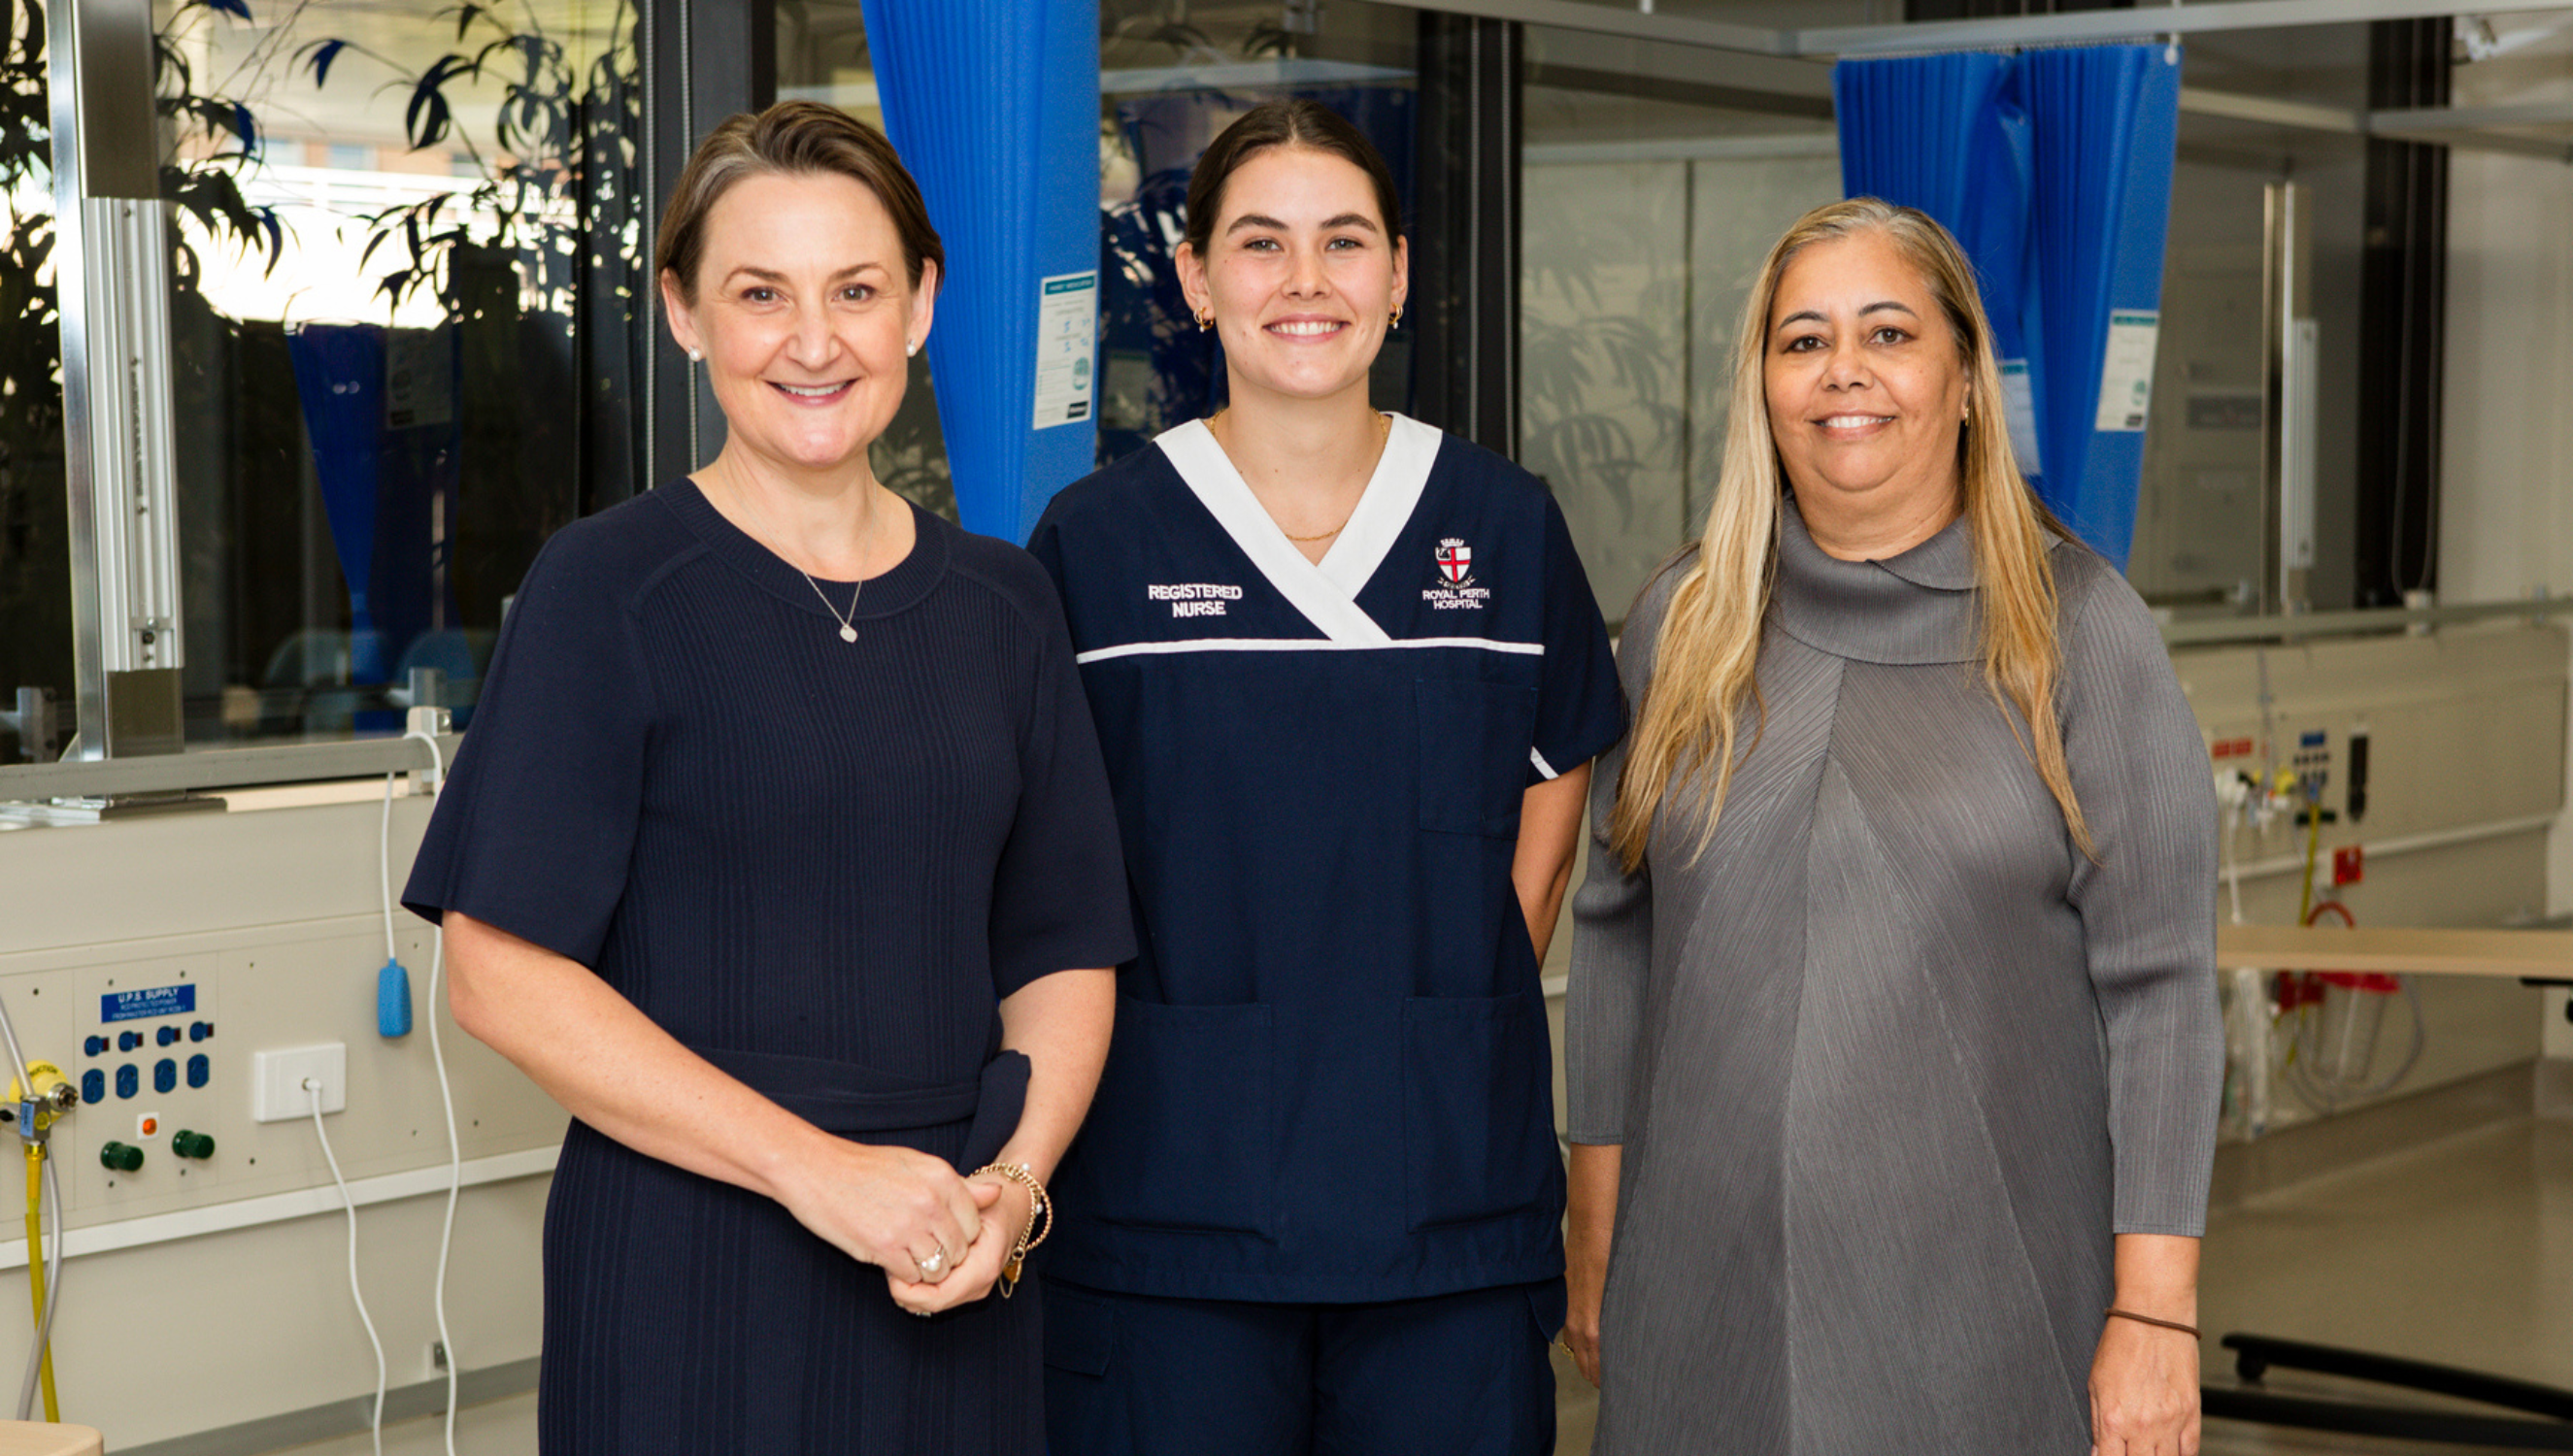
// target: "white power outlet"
[[276, 1090]]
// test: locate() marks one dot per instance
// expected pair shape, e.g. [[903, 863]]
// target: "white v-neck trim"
[[1327, 593], [1392, 493]]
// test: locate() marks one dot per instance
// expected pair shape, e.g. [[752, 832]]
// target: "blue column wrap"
[[2108, 130], [2054, 171], [994, 104]]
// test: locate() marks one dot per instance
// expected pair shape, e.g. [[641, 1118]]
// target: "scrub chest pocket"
[[1473, 747]]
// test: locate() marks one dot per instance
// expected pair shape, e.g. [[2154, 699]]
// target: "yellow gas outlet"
[[55, 1093]]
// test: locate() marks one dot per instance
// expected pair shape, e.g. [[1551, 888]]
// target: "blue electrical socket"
[[393, 999]]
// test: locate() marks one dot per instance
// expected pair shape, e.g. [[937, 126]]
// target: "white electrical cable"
[[17, 1058], [2232, 862], [445, 1096], [384, 861], [375, 1426], [2328, 1093], [455, 1182]]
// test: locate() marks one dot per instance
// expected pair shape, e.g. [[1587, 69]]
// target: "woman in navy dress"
[[776, 855], [1349, 677]]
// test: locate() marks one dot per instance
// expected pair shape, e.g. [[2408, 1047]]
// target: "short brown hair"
[[1298, 123], [792, 138]]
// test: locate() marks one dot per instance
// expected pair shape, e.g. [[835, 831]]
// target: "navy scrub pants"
[[1462, 1375]]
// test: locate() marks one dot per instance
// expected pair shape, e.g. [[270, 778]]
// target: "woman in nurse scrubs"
[[1349, 677]]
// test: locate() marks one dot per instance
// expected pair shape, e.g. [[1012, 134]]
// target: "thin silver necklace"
[[848, 620]]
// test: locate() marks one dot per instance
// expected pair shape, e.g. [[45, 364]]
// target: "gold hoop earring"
[[1205, 319], [1396, 321]]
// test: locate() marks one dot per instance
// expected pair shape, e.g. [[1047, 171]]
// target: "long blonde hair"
[[1707, 651]]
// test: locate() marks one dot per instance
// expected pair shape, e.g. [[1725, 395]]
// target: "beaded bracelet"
[[1030, 1235]]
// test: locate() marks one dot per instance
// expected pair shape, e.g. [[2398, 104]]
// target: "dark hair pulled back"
[[1270, 124]]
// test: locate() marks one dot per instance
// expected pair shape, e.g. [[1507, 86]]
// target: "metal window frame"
[[706, 59], [112, 268], [1466, 238]]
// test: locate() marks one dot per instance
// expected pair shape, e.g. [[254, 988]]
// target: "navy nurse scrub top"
[[1329, 1078]]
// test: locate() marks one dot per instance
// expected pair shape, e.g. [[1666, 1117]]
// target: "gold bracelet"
[[2190, 1330], [1037, 1203]]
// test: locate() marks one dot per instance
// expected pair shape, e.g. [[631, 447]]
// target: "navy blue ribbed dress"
[[821, 865]]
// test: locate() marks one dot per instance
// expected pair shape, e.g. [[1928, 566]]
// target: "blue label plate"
[[157, 1000]]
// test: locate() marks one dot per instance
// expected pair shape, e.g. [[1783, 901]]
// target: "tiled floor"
[[2460, 1252]]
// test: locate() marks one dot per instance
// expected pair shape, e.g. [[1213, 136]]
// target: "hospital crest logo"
[[1453, 589], [1456, 562]]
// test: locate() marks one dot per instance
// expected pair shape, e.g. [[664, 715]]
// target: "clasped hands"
[[940, 1239]]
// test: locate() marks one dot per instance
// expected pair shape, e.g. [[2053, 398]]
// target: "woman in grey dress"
[[1894, 1046]]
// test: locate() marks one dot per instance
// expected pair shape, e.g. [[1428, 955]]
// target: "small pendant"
[[848, 634]]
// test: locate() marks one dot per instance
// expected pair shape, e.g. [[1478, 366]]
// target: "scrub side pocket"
[[1473, 747], [1476, 1108], [1179, 1135]]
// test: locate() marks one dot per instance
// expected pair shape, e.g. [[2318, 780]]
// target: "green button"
[[192, 1144], [118, 1158]]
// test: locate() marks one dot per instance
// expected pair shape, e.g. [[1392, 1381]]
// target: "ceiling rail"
[[2001, 33]]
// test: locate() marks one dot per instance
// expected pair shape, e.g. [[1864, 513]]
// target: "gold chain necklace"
[[1383, 432]]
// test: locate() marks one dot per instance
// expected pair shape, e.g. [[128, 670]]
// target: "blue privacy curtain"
[[379, 412], [994, 104], [2054, 170]]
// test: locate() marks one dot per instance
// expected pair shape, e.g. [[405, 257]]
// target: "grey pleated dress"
[[1893, 1060]]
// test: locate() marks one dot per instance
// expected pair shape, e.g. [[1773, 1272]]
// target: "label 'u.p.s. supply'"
[[150, 1001]]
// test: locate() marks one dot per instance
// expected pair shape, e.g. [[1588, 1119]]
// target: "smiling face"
[[805, 318], [1299, 273], [1867, 386]]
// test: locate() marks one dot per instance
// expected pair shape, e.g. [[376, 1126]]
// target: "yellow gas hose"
[[36, 1265]]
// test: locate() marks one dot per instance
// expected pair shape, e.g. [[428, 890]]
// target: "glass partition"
[[1647, 213], [402, 320], [35, 560]]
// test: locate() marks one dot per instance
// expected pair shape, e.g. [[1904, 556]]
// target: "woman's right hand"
[[888, 1207], [1589, 1226], [1584, 1281]]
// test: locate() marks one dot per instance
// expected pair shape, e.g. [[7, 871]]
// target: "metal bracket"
[[38, 725]]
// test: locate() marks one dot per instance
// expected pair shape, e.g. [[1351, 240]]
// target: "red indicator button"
[[2349, 864]]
